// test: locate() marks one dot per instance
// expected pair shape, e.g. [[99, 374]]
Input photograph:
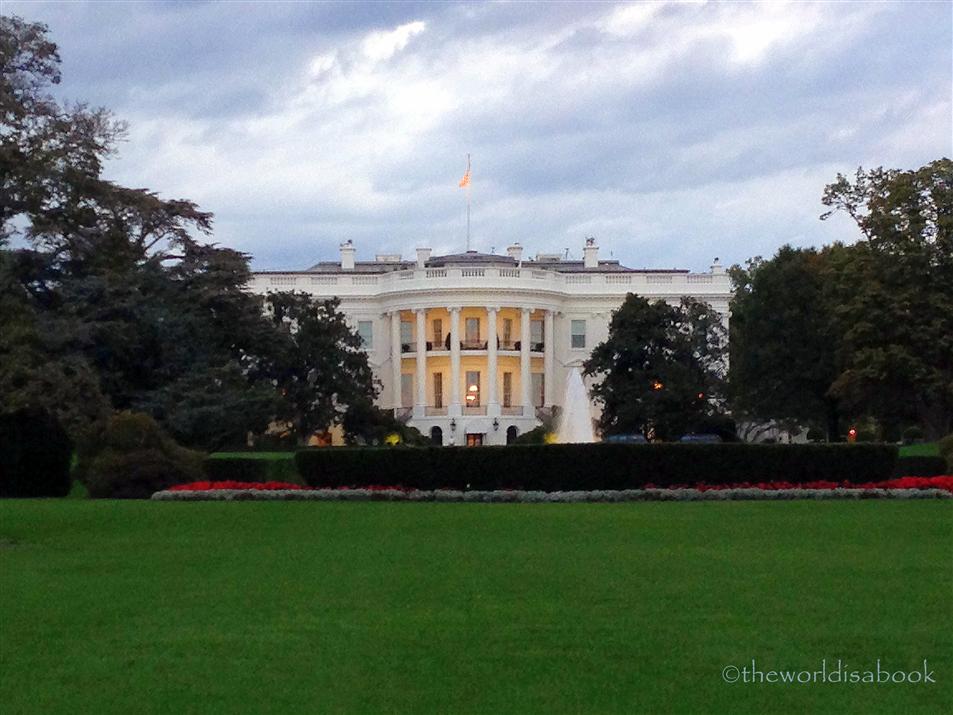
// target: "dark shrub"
[[130, 457], [920, 467], [912, 434], [560, 467], [945, 448], [250, 468], [35, 455]]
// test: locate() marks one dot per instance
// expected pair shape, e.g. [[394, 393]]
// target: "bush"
[[562, 467], [912, 434], [251, 468], [945, 448], [920, 467], [130, 457], [35, 455]]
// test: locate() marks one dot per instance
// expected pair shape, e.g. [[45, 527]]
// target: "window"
[[406, 332], [507, 389], [536, 332], [507, 334], [438, 389], [473, 330], [473, 388], [578, 334], [407, 390], [438, 333], [539, 386], [365, 328]]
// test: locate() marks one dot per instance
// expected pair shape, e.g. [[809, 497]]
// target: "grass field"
[[138, 607], [927, 449]]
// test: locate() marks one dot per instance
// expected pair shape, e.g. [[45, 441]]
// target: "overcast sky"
[[670, 132]]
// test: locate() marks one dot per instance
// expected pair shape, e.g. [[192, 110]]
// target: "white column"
[[421, 403], [492, 403], [395, 357], [549, 359], [526, 381], [454, 362]]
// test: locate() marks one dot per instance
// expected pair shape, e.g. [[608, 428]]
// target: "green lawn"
[[138, 607], [927, 449]]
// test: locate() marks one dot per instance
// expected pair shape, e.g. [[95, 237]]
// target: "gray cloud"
[[671, 132]]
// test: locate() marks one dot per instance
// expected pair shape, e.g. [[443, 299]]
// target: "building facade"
[[475, 348]]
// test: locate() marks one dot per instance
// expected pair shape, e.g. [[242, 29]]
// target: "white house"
[[474, 348]]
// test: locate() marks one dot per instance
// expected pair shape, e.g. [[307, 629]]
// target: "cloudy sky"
[[672, 132]]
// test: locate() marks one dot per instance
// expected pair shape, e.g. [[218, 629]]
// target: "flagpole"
[[468, 202]]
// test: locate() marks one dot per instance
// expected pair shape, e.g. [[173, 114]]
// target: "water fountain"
[[575, 420]]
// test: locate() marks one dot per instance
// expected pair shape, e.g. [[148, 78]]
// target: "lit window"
[[473, 388], [578, 334], [365, 329]]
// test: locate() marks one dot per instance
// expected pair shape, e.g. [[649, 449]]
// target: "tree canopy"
[[114, 299], [862, 330], [662, 369]]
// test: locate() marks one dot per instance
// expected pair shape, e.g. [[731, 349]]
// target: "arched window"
[[511, 434], [436, 436]]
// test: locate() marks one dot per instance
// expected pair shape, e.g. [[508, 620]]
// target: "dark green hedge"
[[251, 469], [920, 467], [560, 467], [35, 455]]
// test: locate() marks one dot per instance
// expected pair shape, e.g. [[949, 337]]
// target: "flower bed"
[[232, 484], [902, 488]]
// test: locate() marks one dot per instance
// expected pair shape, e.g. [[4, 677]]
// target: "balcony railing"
[[512, 410], [435, 411], [474, 409], [505, 345], [502, 278]]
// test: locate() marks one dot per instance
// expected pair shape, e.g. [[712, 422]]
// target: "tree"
[[116, 303], [661, 370], [317, 364], [783, 351], [892, 295]]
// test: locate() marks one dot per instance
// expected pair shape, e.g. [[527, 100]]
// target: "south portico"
[[463, 373]]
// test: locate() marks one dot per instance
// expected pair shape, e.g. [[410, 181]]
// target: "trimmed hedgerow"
[[920, 467], [35, 455], [561, 467], [252, 467]]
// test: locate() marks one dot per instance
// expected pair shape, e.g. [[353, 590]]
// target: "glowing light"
[[657, 385]]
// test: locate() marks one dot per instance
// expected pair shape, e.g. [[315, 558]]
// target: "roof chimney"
[[590, 254], [347, 256], [515, 252], [423, 255]]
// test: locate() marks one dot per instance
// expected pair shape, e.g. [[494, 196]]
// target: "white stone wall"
[[570, 296]]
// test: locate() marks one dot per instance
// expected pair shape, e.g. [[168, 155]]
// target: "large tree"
[[113, 296], [318, 362], [891, 295], [662, 369], [783, 350]]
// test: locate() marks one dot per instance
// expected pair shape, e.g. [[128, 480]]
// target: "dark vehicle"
[[625, 439], [701, 438]]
